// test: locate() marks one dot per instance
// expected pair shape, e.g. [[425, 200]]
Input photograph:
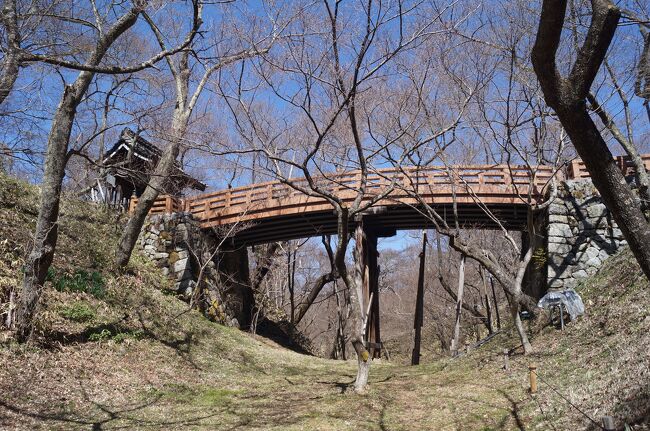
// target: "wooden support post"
[[459, 305], [366, 316], [371, 289], [419, 304], [496, 303], [533, 378], [608, 423]]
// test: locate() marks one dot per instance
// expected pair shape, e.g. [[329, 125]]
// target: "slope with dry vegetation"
[[119, 350]]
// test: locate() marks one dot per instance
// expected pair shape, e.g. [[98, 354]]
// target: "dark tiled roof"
[[142, 148], [148, 151]]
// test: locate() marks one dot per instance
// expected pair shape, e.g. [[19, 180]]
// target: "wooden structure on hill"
[[126, 168]]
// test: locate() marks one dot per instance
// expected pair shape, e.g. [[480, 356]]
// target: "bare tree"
[[346, 121], [42, 250], [567, 96], [181, 68], [520, 133], [29, 28]]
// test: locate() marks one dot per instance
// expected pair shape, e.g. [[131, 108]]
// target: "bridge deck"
[[277, 211]]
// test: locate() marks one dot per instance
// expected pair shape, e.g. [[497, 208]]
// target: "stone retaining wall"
[[581, 234], [166, 239], [174, 242]]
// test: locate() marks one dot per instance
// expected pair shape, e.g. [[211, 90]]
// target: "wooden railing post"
[[227, 201], [573, 169], [532, 368], [132, 203], [507, 176]]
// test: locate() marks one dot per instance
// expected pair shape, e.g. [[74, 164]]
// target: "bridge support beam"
[[367, 252], [234, 275], [535, 279]]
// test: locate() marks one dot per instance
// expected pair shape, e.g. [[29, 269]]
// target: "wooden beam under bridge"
[[418, 320], [370, 286]]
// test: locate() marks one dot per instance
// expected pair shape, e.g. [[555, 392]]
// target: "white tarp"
[[568, 297]]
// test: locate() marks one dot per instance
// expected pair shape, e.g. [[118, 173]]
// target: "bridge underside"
[[386, 220]]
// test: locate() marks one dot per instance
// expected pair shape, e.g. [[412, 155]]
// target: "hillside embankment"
[[121, 351]]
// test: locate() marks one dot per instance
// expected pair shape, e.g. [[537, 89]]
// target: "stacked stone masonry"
[[168, 240], [581, 234]]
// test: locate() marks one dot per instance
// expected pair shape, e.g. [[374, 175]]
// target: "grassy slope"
[[141, 360]]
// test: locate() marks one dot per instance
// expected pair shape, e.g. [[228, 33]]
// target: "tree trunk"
[[42, 250], [488, 303], [309, 299], [45, 236], [447, 287], [355, 321], [157, 183], [496, 303], [338, 348], [567, 97], [610, 182], [515, 304], [263, 266], [514, 310], [11, 63], [640, 172]]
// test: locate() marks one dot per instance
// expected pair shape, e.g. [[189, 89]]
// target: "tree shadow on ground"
[[98, 416], [182, 344], [633, 411]]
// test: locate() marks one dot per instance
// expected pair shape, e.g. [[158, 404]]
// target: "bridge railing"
[[495, 183], [271, 196], [164, 204], [578, 170], [479, 179]]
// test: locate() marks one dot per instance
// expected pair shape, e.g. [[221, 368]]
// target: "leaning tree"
[[192, 71], [106, 30], [568, 93]]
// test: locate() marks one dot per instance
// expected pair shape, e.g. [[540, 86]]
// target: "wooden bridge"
[[275, 210]]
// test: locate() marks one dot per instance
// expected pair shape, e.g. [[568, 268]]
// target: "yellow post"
[[533, 378]]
